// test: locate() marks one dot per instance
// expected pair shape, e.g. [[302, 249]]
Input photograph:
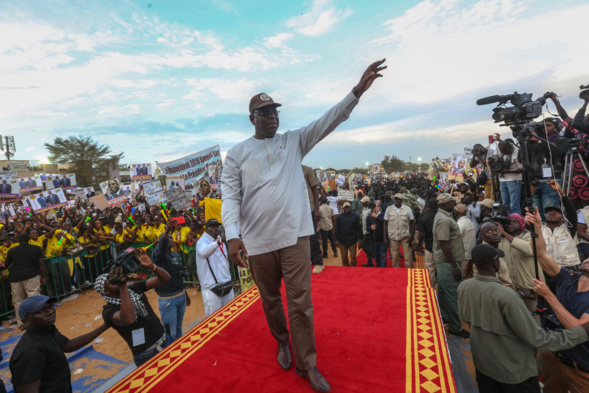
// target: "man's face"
[[398, 202], [347, 209], [513, 226], [113, 186], [388, 195], [553, 217], [447, 206], [550, 128], [44, 318], [490, 233], [205, 187], [213, 230], [265, 121], [157, 221]]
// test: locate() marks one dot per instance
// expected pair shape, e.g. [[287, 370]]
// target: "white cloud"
[[278, 40], [320, 18], [440, 49]]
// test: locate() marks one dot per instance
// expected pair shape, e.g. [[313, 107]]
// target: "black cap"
[[548, 208], [485, 254], [211, 222]]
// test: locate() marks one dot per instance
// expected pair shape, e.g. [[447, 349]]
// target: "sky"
[[161, 79]]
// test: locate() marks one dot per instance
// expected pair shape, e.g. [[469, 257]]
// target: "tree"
[[392, 164], [84, 156]]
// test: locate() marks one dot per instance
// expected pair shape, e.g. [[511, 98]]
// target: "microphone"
[[489, 100]]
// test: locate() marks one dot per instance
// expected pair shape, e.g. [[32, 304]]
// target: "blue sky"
[[161, 79]]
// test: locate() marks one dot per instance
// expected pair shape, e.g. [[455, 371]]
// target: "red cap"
[[260, 101]]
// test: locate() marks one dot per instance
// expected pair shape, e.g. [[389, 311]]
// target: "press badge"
[[138, 337], [546, 171]]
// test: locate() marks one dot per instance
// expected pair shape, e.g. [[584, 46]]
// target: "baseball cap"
[[365, 199], [485, 254], [460, 208], [399, 196], [34, 304], [262, 100], [548, 208], [346, 204], [212, 221], [444, 197]]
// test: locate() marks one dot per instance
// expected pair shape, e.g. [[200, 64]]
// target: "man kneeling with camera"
[[128, 311]]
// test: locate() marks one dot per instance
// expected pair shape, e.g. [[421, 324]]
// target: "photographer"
[[213, 268], [581, 122], [569, 369], [480, 156], [128, 311], [172, 295], [560, 243], [510, 177]]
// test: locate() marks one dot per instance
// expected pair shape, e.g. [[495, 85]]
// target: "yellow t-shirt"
[[55, 247], [157, 232], [38, 242], [4, 251]]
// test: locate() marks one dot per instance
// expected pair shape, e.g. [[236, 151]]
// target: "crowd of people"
[[513, 274]]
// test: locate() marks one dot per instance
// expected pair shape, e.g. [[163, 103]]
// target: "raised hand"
[[369, 76]]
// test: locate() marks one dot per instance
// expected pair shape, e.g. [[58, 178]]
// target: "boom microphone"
[[489, 100]]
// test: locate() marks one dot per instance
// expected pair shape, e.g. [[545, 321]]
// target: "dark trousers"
[[379, 252], [292, 265], [2, 387], [489, 385], [366, 240], [325, 236], [315, 240]]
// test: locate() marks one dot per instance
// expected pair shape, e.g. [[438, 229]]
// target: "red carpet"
[[377, 330]]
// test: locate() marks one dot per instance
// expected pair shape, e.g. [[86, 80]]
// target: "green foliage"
[[84, 156]]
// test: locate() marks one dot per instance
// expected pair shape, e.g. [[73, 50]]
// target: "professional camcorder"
[[497, 217], [129, 263], [523, 109], [584, 94]]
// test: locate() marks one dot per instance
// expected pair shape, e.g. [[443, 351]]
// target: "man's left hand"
[[541, 288], [188, 301], [371, 73]]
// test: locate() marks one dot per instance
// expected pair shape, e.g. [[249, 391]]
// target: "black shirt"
[[24, 262], [170, 262], [39, 355], [425, 225], [377, 233], [348, 229], [151, 325]]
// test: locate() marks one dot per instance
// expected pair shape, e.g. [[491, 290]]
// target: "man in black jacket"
[[172, 295], [374, 226], [348, 234]]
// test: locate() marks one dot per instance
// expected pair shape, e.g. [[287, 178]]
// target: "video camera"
[[584, 94], [522, 111], [497, 217], [129, 263]]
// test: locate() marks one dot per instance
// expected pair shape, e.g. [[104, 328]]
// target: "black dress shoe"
[[368, 264], [317, 381], [283, 357]]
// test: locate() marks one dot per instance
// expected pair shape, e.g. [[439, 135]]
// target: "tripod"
[[496, 187], [569, 160]]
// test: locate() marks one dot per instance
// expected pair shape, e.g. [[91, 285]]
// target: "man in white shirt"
[[212, 267], [265, 198], [469, 238]]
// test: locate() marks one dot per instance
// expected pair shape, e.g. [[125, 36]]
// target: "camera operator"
[[172, 295], [128, 311], [581, 122], [560, 243], [544, 156], [480, 156], [566, 370], [510, 177]]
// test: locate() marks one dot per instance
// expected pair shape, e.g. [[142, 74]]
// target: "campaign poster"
[[178, 199], [99, 201], [193, 167], [175, 182], [141, 171], [126, 189], [65, 181], [154, 192], [46, 200], [9, 188], [113, 192], [345, 195], [30, 183]]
